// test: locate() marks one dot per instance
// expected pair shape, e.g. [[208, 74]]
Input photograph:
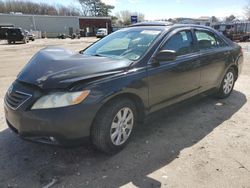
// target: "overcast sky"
[[158, 9]]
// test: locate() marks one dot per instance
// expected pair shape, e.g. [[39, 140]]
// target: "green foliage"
[[214, 19], [28, 7], [230, 18], [95, 8], [247, 10]]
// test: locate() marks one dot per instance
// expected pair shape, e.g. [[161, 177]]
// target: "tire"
[[227, 84], [111, 121]]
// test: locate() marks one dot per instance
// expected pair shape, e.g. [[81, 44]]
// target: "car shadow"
[[155, 144], [12, 44]]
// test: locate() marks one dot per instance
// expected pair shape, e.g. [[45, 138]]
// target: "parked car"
[[17, 35], [236, 31], [102, 32], [3, 30], [102, 92], [61, 36], [30, 35], [75, 36], [3, 33]]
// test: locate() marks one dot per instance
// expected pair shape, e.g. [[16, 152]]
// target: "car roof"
[[156, 23], [167, 25], [15, 28]]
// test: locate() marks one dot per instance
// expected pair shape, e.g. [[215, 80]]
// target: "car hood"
[[55, 68]]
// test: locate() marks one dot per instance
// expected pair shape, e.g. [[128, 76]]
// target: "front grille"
[[16, 98]]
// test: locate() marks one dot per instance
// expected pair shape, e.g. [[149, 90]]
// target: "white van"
[[102, 32]]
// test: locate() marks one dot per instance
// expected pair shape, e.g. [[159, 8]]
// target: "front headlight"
[[60, 99]]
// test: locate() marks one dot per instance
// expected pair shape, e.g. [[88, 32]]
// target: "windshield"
[[128, 44]]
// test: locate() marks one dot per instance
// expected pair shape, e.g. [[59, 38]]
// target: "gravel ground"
[[201, 143]]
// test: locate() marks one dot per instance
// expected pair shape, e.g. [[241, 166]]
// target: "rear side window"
[[181, 42], [221, 43], [14, 31], [206, 40]]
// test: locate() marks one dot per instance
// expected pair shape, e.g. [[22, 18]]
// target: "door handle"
[[226, 53]]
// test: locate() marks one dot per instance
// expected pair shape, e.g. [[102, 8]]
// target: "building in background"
[[51, 26], [90, 25]]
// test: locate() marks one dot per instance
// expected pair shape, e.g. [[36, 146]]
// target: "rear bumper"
[[240, 64], [101, 35]]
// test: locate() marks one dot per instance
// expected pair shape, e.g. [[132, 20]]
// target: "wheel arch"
[[140, 106], [235, 67]]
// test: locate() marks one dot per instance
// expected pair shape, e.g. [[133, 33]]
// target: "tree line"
[[95, 8], [85, 8]]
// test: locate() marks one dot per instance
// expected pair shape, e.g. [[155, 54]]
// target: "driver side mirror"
[[166, 55]]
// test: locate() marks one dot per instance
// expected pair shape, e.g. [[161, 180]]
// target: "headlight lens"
[[60, 99]]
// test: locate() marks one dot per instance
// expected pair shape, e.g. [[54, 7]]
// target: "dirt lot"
[[203, 143]]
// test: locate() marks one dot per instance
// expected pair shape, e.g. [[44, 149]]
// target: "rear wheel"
[[227, 84], [114, 125]]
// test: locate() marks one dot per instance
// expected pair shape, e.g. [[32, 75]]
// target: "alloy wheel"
[[228, 83], [122, 126]]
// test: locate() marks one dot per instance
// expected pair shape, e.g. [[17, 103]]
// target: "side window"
[[206, 40], [221, 43], [181, 42]]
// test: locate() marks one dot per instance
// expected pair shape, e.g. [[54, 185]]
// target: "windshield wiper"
[[98, 55]]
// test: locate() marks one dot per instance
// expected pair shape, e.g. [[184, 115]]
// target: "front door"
[[173, 81]]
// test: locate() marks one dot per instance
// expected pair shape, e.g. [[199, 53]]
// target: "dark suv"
[[17, 35], [103, 91]]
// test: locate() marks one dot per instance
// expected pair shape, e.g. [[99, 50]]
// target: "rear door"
[[173, 81], [214, 55]]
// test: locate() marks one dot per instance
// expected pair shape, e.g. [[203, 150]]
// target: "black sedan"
[[102, 92]]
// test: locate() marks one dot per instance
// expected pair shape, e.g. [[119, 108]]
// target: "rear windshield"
[[11, 31]]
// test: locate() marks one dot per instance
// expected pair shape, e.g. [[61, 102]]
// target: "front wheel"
[[227, 84], [114, 125]]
